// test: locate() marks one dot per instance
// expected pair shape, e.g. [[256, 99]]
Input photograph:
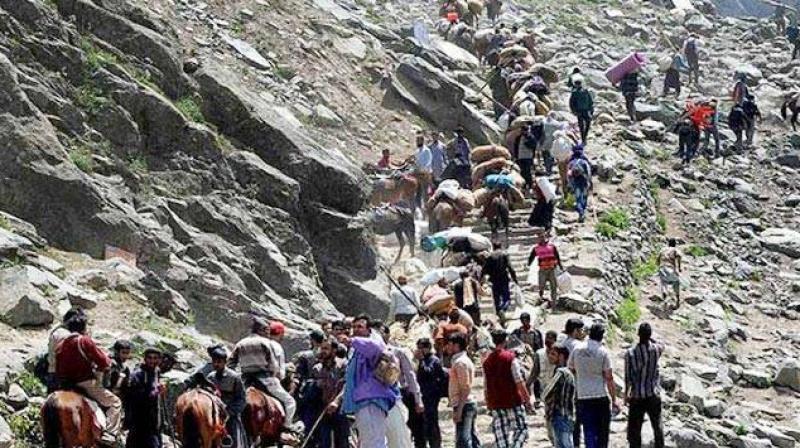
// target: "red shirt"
[[78, 357]]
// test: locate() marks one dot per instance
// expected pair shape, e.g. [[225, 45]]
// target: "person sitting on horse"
[[257, 359], [142, 408], [57, 334], [79, 364], [229, 387], [118, 376]]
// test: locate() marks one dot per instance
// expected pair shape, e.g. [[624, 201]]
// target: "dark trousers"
[[415, 421], [143, 439], [707, 134], [630, 105], [431, 433], [594, 415], [502, 296], [466, 435], [638, 408], [474, 312], [584, 123], [334, 430], [526, 170]]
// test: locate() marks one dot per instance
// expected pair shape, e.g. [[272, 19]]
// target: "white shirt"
[[400, 304], [589, 362]]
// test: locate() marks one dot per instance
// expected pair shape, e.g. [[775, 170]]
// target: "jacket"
[[501, 391], [581, 102], [78, 357], [364, 385]]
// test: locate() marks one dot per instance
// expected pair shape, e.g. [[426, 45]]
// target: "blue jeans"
[[595, 417], [581, 192], [334, 430], [502, 296], [466, 435], [563, 428]]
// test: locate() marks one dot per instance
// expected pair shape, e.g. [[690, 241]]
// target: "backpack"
[[387, 370], [579, 168]]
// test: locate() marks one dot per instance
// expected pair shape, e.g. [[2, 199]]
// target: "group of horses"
[[68, 420]]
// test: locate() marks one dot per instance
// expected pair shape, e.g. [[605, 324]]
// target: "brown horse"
[[68, 421], [792, 103], [394, 190], [263, 418], [443, 216], [200, 419], [497, 215]]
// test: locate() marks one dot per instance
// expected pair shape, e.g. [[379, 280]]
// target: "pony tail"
[[191, 432], [50, 424]]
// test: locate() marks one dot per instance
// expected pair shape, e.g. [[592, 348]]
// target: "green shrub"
[[605, 229], [82, 158], [190, 109], [569, 201], [90, 98], [697, 251], [97, 58], [284, 71], [612, 221], [30, 384], [138, 164], [25, 427], [661, 220], [645, 269], [4, 224], [628, 312]]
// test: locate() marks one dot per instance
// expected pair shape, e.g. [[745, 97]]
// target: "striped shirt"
[[560, 394], [641, 370]]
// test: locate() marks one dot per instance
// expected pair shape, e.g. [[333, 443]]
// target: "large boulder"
[[6, 436], [21, 303], [440, 99], [324, 175], [788, 375], [691, 390], [269, 185], [689, 438], [782, 240]]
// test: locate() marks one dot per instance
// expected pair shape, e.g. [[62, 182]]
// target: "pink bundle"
[[632, 62]]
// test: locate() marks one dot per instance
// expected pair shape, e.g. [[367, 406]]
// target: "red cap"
[[276, 328]]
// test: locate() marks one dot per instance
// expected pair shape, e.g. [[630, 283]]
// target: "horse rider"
[[80, 364], [229, 387], [142, 411], [257, 357]]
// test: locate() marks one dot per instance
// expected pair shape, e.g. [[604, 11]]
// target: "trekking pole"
[[394, 283], [319, 419]]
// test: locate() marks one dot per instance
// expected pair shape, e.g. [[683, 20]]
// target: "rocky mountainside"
[[214, 145]]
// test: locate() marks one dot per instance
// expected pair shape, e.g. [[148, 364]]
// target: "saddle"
[[98, 416]]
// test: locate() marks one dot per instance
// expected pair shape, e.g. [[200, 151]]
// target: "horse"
[[395, 189], [200, 419], [263, 419], [68, 421], [792, 103], [397, 219], [493, 8], [443, 216], [497, 214]]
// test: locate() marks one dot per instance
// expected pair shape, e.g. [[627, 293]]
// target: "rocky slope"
[[217, 143]]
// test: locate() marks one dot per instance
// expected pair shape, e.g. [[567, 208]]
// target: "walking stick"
[[319, 419], [394, 283]]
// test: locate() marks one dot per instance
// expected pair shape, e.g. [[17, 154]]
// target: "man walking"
[[404, 303], [433, 381], [642, 387], [560, 400], [629, 86], [548, 256], [691, 51], [328, 375], [669, 262], [580, 179], [438, 157], [543, 369], [581, 105], [498, 268], [423, 171], [142, 416], [231, 389], [591, 364], [365, 396], [465, 290], [462, 375], [506, 394]]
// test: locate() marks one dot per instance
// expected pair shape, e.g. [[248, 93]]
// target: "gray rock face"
[[16, 397], [788, 375], [691, 390], [689, 438], [440, 99], [21, 303], [6, 436], [785, 241]]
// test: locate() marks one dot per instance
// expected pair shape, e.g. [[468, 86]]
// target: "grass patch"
[[697, 251], [190, 109], [661, 221], [284, 71], [4, 224], [90, 98], [97, 58], [612, 221], [225, 145], [167, 329], [569, 201], [628, 312], [138, 164], [30, 384], [14, 260], [645, 269], [82, 158], [25, 427]]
